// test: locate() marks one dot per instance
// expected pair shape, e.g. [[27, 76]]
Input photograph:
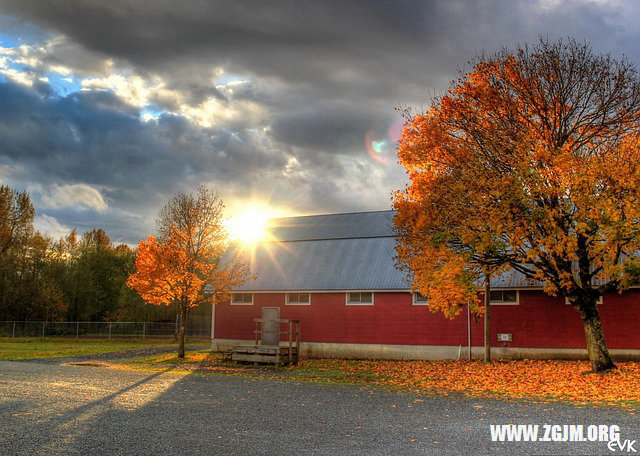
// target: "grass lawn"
[[54, 347], [537, 380]]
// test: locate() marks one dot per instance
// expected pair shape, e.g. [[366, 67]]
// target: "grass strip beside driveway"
[[53, 347]]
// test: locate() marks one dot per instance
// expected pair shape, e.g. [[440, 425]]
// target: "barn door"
[[271, 330]]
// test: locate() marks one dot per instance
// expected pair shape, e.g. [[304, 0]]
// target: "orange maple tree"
[[184, 265], [530, 161]]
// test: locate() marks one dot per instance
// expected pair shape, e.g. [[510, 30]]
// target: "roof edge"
[[332, 213], [357, 290], [278, 241]]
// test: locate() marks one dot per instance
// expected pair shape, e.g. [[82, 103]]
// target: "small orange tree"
[[186, 257], [536, 151]]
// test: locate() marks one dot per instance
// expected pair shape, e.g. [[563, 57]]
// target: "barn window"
[[241, 299], [419, 300], [298, 298], [360, 299], [504, 297]]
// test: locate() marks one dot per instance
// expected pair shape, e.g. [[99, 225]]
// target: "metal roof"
[[351, 251], [514, 279], [330, 264], [332, 226]]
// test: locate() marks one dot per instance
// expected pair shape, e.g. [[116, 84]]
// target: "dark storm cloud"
[[81, 139], [329, 127], [369, 57], [104, 101], [318, 76], [355, 45]]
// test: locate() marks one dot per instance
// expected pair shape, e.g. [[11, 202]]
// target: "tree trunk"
[[182, 329], [596, 345], [487, 318], [177, 325]]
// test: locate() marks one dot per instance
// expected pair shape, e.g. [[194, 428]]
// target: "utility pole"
[[487, 317]]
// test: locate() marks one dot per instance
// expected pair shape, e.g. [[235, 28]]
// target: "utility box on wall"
[[504, 337]]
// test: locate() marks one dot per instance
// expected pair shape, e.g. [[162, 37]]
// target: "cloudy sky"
[[109, 107]]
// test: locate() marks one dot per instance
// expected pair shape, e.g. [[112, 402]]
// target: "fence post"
[[14, 330], [290, 341], [77, 328], [144, 329], [43, 323], [109, 330]]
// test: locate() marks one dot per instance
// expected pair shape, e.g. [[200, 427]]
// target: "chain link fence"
[[98, 329]]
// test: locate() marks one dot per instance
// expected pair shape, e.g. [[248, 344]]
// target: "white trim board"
[[409, 352]]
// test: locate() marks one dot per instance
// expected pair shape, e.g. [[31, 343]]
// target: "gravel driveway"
[[65, 409]]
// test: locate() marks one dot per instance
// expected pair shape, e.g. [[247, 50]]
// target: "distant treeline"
[[77, 278]]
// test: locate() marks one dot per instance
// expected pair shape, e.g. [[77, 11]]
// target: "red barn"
[[336, 274]]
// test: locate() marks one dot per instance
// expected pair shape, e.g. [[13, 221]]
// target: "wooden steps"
[[265, 354], [270, 353]]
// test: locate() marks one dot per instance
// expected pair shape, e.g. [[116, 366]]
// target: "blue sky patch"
[[63, 85]]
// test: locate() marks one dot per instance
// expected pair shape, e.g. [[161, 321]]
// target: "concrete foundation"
[[429, 352]]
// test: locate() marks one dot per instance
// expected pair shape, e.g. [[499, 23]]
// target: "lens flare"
[[375, 146], [381, 148]]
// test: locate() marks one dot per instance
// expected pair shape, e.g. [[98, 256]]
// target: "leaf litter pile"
[[522, 379], [543, 380]]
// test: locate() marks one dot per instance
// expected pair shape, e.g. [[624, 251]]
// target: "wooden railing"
[[292, 331]]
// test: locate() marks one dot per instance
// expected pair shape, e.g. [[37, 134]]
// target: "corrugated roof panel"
[[333, 226], [334, 264], [352, 251], [514, 279]]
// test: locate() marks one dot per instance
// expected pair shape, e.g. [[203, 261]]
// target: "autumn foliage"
[[531, 161], [187, 257], [164, 273]]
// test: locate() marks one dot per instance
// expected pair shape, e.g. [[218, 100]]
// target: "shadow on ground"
[[82, 410]]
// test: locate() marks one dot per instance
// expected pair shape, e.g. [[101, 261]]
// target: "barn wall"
[[543, 321], [539, 321]]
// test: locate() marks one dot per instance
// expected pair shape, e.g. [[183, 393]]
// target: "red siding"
[[539, 321]]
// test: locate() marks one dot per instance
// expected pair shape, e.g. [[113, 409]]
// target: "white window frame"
[[598, 302], [502, 303], [242, 303], [297, 303], [416, 302], [349, 303]]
